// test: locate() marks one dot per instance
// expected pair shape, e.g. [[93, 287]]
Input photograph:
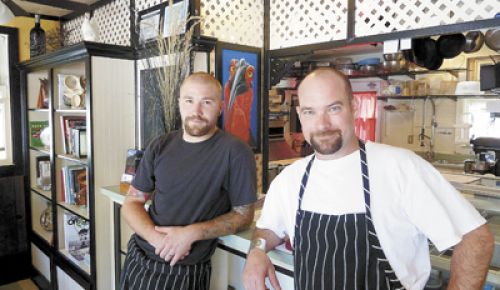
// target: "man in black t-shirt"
[[202, 183]]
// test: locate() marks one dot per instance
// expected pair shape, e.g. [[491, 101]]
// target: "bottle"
[[37, 39]]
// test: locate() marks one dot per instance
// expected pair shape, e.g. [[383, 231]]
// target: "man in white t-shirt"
[[359, 215]]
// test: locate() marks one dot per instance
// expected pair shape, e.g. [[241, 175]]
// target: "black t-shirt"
[[195, 182]]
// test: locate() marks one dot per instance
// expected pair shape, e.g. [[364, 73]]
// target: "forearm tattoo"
[[239, 218], [137, 193]]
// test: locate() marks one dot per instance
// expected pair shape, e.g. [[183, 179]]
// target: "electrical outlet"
[[410, 139]]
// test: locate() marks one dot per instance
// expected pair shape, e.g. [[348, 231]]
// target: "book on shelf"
[[35, 128], [79, 143], [68, 126], [77, 237], [74, 189]]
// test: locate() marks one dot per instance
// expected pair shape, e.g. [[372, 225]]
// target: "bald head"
[[337, 79], [203, 78]]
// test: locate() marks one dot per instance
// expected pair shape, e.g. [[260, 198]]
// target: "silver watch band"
[[258, 243]]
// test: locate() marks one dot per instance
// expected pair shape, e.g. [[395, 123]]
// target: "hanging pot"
[[425, 53], [450, 45], [492, 39], [474, 40]]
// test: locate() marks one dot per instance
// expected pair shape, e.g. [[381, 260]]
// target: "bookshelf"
[[89, 105]]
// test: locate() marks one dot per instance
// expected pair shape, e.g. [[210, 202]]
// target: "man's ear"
[[355, 106], [297, 109]]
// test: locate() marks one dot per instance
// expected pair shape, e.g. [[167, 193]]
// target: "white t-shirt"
[[410, 202]]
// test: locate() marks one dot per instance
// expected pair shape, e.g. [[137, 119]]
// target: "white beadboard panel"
[[65, 282], [302, 22], [384, 16], [113, 118], [40, 261], [240, 22]]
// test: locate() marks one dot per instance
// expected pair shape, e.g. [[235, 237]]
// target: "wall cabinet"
[[78, 102]]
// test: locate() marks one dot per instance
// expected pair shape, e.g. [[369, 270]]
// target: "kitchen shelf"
[[45, 193], [412, 74], [453, 97]]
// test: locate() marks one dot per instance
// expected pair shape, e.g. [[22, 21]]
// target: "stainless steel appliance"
[[487, 152]]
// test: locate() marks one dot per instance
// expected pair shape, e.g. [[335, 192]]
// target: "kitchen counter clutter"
[[482, 191]]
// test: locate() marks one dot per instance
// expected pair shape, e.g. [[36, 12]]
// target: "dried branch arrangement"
[[168, 55]]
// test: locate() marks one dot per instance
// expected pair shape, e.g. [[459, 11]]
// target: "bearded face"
[[197, 126], [326, 142]]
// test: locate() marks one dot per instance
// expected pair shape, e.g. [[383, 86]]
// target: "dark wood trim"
[[204, 43], [78, 52], [243, 255], [40, 280], [90, 172], [68, 5], [351, 19], [16, 10], [265, 100], [89, 8], [75, 272], [195, 10], [118, 242], [134, 36], [415, 33]]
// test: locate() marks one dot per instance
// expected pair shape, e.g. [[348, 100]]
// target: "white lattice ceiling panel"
[[240, 22], [113, 20], [301, 22], [383, 16]]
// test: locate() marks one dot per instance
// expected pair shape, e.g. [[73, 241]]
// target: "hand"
[[176, 243], [257, 267]]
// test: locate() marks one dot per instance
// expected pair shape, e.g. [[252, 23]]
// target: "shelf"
[[454, 97], [79, 210], [71, 111], [412, 74], [38, 110], [44, 235], [44, 193], [41, 150], [73, 158], [80, 264]]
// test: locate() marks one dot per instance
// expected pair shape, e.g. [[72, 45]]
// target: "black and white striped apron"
[[340, 251], [143, 273]]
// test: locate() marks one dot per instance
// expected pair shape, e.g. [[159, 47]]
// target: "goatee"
[[327, 146], [196, 130]]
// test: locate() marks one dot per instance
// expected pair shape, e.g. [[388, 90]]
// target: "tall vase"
[[90, 29]]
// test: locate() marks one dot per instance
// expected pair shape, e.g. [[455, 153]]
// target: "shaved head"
[[335, 75], [203, 78]]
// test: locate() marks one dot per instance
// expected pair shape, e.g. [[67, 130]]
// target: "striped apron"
[[142, 273], [340, 251]]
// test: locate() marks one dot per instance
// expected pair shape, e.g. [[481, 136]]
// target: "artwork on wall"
[[149, 25], [238, 69]]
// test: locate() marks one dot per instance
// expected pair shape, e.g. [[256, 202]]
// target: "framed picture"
[[174, 18], [238, 70], [149, 25]]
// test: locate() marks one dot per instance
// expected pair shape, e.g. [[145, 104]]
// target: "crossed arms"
[[173, 243]]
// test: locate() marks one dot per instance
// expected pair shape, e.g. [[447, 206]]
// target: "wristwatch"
[[258, 243]]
